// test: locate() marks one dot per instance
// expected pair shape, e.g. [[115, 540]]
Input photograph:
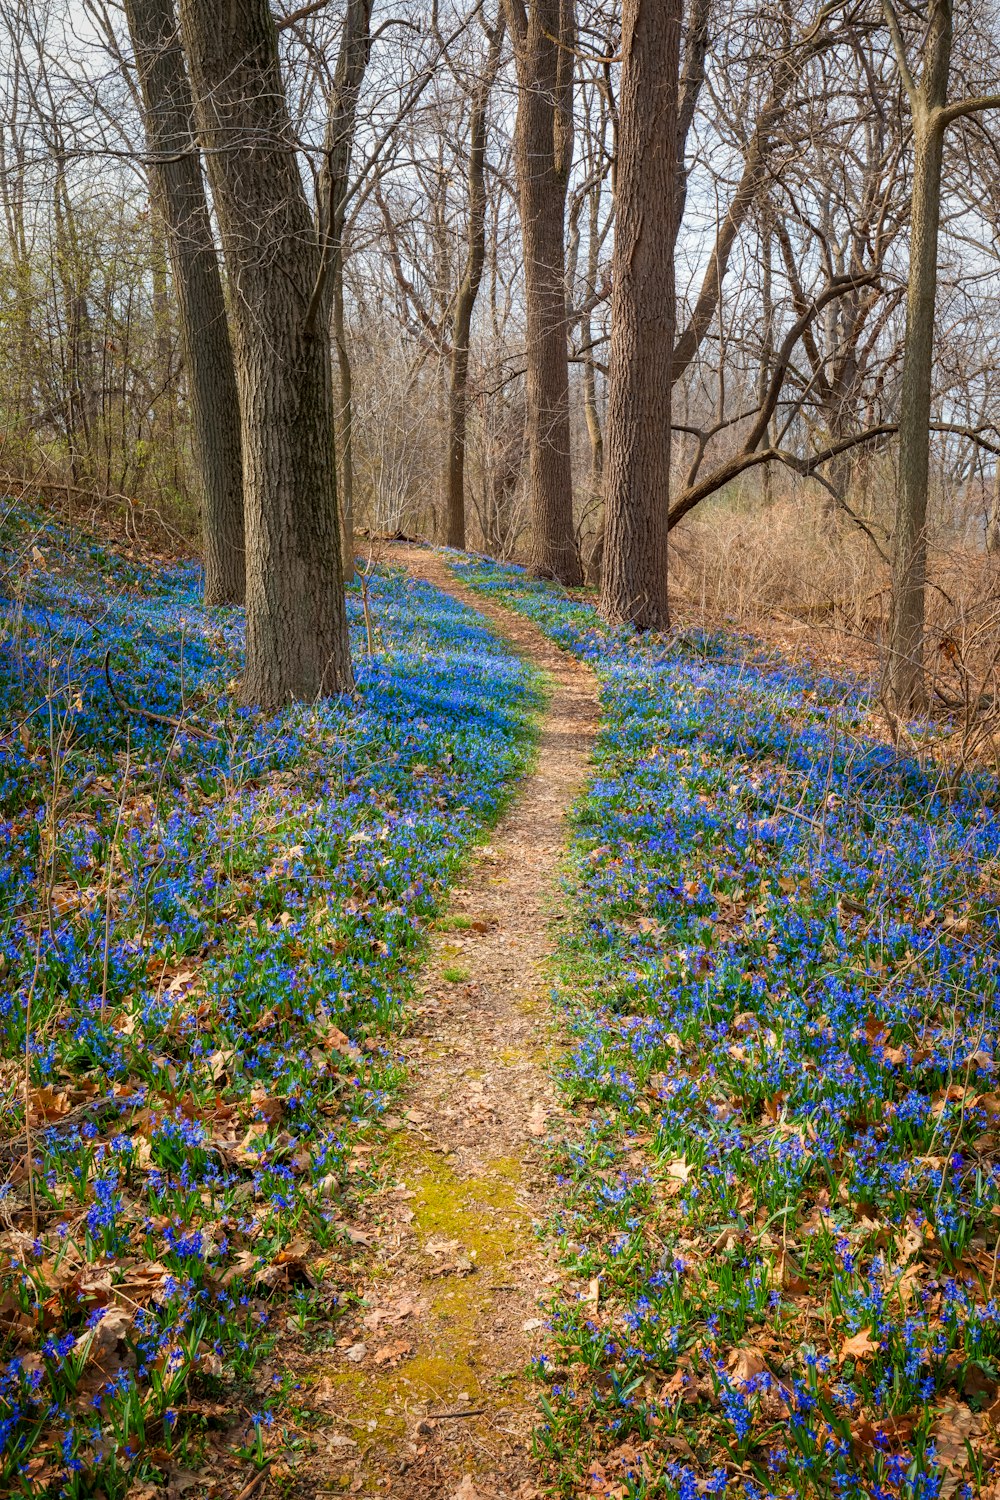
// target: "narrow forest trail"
[[425, 1393]]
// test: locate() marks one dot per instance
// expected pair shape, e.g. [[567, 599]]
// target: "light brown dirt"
[[426, 1393]]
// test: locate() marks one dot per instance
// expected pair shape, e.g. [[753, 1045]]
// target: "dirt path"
[[425, 1392]]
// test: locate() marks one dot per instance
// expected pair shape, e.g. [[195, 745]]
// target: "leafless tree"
[[297, 642]]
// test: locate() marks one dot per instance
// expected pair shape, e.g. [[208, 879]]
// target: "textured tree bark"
[[345, 417], [906, 644], [591, 411], [909, 575], [544, 37], [342, 113], [637, 491], [297, 641], [179, 193], [993, 515], [468, 291]]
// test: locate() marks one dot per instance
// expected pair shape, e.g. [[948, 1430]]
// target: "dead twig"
[[253, 1485], [136, 712]]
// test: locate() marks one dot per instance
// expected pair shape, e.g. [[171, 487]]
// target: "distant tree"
[[468, 291], [353, 57], [930, 114], [177, 186], [297, 639], [643, 319], [543, 33]]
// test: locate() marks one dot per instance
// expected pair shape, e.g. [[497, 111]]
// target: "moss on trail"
[[482, 1214]]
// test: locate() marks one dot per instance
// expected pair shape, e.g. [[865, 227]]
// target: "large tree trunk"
[[906, 640], [179, 192], [544, 39], [468, 291], [637, 492], [297, 641]]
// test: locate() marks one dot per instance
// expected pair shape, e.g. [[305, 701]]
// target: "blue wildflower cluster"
[[210, 922], [782, 983]]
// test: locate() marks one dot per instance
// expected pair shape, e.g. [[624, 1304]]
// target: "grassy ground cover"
[[208, 931], [782, 984]]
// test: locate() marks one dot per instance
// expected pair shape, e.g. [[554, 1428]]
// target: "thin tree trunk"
[[591, 410], [767, 341], [297, 640], [637, 495], [544, 37], [342, 113], [906, 639], [345, 417], [179, 192], [993, 515], [468, 291]]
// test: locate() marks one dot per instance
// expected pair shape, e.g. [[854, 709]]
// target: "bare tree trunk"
[[637, 494], [591, 410], [342, 113], [906, 638], [179, 192], [993, 515], [345, 416], [544, 36], [468, 291], [297, 640], [767, 340]]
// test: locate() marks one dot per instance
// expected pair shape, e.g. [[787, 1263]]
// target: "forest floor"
[[371, 1126], [428, 1393]]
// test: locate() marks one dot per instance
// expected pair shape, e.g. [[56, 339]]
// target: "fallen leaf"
[[537, 1120], [875, 1030], [356, 1353], [859, 1346], [391, 1354], [956, 1429], [744, 1364]]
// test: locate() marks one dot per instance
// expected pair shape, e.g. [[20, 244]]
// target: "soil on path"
[[426, 1393]]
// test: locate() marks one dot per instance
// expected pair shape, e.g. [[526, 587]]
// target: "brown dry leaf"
[[744, 1364], [976, 1382], [955, 1427], [467, 1490], [859, 1346], [391, 1354], [887, 1435], [537, 1120], [48, 1104], [266, 1106], [180, 982], [790, 1273], [244, 1262], [99, 1344], [679, 1169], [336, 1040], [355, 1235], [875, 1030]]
